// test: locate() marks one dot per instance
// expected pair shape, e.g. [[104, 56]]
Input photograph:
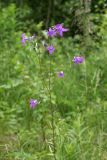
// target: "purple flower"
[[60, 29], [33, 103], [78, 60], [60, 74], [51, 32], [50, 49], [57, 29], [24, 38]]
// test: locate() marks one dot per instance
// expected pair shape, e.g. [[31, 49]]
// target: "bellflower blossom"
[[60, 74], [33, 103], [78, 60], [24, 38], [51, 32], [50, 49], [60, 29]]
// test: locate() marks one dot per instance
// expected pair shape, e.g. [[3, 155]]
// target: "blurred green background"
[[79, 99]]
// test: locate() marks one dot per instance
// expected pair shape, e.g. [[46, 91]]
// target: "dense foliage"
[[79, 99]]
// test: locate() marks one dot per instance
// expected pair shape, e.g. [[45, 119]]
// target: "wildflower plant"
[[39, 45]]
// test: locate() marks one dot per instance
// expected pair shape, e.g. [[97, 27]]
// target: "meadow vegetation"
[[79, 99]]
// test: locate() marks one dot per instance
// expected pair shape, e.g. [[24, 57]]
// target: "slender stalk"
[[86, 86], [52, 111], [42, 121], [43, 131], [42, 80]]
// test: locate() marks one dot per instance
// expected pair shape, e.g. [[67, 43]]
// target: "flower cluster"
[[58, 29], [54, 31]]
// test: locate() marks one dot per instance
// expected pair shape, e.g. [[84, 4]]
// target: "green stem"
[[52, 110], [42, 121], [42, 80], [86, 86], [43, 131]]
